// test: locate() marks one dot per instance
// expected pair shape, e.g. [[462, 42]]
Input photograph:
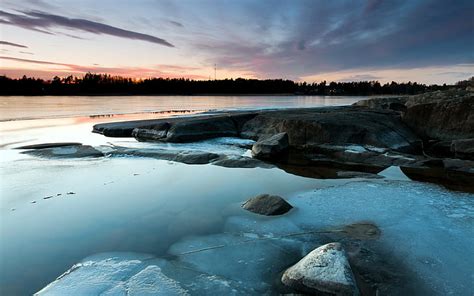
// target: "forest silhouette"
[[104, 84]]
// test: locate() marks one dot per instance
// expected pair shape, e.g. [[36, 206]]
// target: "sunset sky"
[[424, 41]]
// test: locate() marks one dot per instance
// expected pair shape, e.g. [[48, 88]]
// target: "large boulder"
[[271, 147], [324, 271], [335, 125], [449, 119], [268, 205], [440, 115]]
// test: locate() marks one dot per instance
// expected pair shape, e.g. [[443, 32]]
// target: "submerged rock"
[[362, 230], [325, 270], [195, 157], [271, 147], [49, 145], [76, 151], [236, 161], [265, 204]]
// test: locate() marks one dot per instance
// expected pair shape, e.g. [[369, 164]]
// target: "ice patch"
[[418, 222], [114, 274], [394, 173]]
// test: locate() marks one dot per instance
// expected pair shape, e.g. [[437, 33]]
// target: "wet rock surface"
[[75, 151], [234, 161], [455, 174], [324, 271], [268, 205], [272, 147]]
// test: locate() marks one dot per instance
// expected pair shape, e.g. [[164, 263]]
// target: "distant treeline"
[[103, 84]]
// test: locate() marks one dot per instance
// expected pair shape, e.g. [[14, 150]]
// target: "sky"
[[428, 41]]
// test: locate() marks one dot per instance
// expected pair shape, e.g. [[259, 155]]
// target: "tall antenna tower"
[[215, 71]]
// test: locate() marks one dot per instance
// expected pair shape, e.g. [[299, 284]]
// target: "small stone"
[[269, 205]]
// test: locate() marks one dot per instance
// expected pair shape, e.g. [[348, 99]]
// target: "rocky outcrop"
[[463, 148], [271, 147], [448, 119], [268, 205], [441, 115], [324, 271], [179, 129], [335, 125]]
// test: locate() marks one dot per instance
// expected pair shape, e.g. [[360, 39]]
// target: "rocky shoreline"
[[430, 136]]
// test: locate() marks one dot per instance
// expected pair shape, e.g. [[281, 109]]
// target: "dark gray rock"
[[201, 128], [49, 145], [440, 115], [324, 271], [271, 147], [75, 151], [156, 132], [335, 125], [268, 205], [195, 157], [455, 174], [463, 148]]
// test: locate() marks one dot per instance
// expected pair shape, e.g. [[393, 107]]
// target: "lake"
[[54, 213]]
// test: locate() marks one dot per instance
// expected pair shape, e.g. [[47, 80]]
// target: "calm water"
[[20, 107], [129, 204]]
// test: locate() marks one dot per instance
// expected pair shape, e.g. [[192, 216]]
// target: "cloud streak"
[[13, 44], [43, 22], [64, 69]]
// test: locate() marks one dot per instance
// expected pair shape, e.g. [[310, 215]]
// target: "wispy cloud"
[[13, 44], [44, 22], [63, 69]]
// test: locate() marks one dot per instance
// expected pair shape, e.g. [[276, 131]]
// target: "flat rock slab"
[[268, 205], [324, 271], [76, 151], [49, 145]]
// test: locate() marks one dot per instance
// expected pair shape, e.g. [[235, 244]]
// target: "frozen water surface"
[[179, 229]]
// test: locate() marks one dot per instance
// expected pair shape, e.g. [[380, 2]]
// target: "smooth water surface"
[[23, 107]]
